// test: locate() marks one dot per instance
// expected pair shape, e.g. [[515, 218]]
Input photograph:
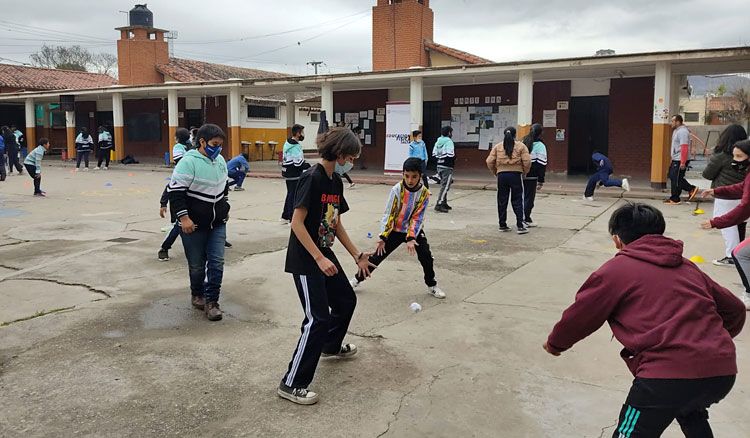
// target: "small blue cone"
[[167, 179], [108, 185], [369, 235]]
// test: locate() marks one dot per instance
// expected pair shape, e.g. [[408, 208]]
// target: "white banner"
[[397, 136]]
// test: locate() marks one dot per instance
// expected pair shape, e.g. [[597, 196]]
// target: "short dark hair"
[[446, 131], [677, 118], [413, 164], [296, 129], [744, 146], [247, 156], [416, 133], [635, 220], [183, 135], [43, 141], [207, 132], [338, 142]]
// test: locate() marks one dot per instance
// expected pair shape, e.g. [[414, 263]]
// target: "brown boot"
[[198, 302], [212, 310]]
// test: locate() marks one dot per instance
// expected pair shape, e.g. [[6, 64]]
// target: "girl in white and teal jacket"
[[33, 164]]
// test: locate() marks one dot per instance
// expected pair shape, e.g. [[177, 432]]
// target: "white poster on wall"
[[397, 136]]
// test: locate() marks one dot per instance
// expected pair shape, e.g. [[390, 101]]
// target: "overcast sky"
[[339, 33]]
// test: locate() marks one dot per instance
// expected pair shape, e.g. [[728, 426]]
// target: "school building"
[[617, 104]]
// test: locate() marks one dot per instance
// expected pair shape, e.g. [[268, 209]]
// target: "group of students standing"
[[85, 144]]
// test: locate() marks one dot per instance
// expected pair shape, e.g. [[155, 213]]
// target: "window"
[[315, 117], [56, 116], [262, 112], [692, 117], [143, 127]]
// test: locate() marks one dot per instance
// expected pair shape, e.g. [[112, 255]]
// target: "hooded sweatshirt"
[[417, 149], [741, 212], [673, 320], [445, 152], [602, 163], [84, 144], [199, 188], [293, 160]]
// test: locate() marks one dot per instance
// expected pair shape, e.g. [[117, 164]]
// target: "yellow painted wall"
[[440, 60], [263, 134], [661, 143]]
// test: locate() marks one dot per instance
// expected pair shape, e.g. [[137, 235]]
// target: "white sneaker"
[[75, 170], [530, 224], [106, 168], [746, 300], [625, 185], [86, 169], [345, 351], [352, 186], [96, 168], [436, 292], [354, 283], [588, 198], [283, 221]]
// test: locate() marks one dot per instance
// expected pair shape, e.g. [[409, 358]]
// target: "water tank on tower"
[[141, 16]]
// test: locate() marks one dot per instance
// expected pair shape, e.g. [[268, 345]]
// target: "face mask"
[[301, 138], [741, 165], [345, 168], [213, 151]]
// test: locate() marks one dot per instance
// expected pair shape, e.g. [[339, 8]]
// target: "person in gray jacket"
[[721, 173]]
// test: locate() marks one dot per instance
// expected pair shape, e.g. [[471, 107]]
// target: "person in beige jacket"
[[510, 161]]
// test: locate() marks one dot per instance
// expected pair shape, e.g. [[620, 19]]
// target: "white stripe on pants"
[[305, 333], [731, 235]]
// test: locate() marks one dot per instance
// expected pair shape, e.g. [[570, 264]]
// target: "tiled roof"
[[187, 70], [724, 103], [455, 53], [34, 78]]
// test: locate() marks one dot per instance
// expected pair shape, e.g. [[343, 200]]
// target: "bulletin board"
[[481, 126], [360, 118]]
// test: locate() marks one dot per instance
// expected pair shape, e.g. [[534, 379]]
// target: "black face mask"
[[741, 165], [301, 138]]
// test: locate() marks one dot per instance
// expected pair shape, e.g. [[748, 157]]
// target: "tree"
[[74, 58], [743, 96], [721, 90]]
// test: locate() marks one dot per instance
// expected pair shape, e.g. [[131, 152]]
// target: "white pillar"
[[416, 103], [235, 146], [525, 98], [70, 119], [30, 124], [662, 92], [326, 100], [70, 130], [661, 140], [118, 120], [172, 108]]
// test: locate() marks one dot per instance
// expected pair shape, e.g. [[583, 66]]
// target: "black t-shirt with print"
[[323, 198]]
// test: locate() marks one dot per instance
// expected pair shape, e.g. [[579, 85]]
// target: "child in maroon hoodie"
[[675, 323]]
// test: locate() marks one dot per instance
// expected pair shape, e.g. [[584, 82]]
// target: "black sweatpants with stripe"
[[653, 404], [510, 185], [328, 303]]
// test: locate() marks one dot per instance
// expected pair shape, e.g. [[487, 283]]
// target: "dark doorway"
[[589, 131], [431, 125]]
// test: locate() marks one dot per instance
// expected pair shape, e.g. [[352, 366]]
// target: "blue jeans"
[[603, 177], [204, 250], [172, 236], [237, 177]]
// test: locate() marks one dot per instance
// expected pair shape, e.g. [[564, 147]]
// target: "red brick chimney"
[[399, 28], [140, 48]]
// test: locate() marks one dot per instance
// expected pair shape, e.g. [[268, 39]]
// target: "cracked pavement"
[[99, 338]]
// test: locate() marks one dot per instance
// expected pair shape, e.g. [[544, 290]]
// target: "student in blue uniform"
[[601, 177]]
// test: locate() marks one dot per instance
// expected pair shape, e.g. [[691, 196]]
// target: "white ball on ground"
[[415, 307]]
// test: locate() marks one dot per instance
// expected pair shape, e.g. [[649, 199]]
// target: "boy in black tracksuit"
[[327, 298]]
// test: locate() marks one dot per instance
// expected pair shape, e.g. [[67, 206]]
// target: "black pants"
[[291, 193], [529, 196], [677, 181], [424, 255], [652, 404], [3, 175], [13, 161], [84, 155], [510, 184], [37, 181], [103, 156], [323, 330], [348, 178], [174, 233]]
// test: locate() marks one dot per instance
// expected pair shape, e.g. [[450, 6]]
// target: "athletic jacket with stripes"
[[84, 144], [445, 152], [35, 158], [293, 160], [105, 140], [199, 188], [404, 211]]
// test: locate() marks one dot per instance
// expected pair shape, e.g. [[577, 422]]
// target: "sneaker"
[[504, 228], [106, 168], [746, 300], [625, 185], [238, 189], [440, 208], [212, 311], [197, 302], [436, 292], [693, 193], [74, 170], [354, 283], [85, 169], [163, 255], [726, 261], [283, 221], [301, 396], [227, 244], [352, 186], [530, 224], [43, 193], [346, 350], [445, 204], [96, 168], [588, 198], [522, 230], [671, 202]]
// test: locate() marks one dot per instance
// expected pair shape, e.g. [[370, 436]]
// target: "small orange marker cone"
[[131, 174], [28, 184]]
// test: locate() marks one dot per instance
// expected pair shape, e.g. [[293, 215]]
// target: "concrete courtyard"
[[98, 338]]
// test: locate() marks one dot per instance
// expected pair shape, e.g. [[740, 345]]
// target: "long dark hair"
[[534, 135], [509, 142], [729, 136]]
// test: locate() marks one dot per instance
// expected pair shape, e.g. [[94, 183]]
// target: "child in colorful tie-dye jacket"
[[403, 222]]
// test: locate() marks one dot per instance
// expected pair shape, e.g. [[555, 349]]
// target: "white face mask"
[[345, 168]]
